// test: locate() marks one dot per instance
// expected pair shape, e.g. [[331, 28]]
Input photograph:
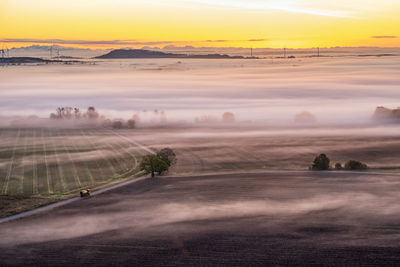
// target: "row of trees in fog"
[[227, 117], [323, 163], [91, 115], [69, 113], [152, 117]]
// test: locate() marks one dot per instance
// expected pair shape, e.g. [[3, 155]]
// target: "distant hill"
[[141, 53]]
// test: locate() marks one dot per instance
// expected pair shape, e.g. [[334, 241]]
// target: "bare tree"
[[77, 113]]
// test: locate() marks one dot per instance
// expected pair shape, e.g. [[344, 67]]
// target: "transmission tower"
[[3, 55], [51, 51]]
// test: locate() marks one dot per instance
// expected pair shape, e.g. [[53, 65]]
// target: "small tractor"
[[85, 193]]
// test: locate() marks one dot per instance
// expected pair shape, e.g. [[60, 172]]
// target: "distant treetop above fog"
[[386, 114], [228, 117], [305, 117]]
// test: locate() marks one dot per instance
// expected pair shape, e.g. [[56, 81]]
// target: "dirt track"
[[231, 219]]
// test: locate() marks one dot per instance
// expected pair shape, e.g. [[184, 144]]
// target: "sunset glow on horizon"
[[200, 23]]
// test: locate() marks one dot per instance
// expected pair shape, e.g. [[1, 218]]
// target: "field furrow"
[[103, 161], [45, 185], [35, 158], [57, 168], [115, 157], [69, 165], [4, 190], [132, 159], [24, 171], [82, 164], [52, 162]]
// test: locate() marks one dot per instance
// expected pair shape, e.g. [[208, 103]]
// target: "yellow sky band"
[[229, 23]]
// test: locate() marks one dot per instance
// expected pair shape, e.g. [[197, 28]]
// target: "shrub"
[[321, 163], [131, 124], [117, 124], [355, 165], [338, 166]]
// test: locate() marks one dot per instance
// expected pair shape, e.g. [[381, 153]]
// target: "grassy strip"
[[83, 162], [59, 167], [35, 181], [25, 184], [133, 156], [74, 171], [49, 188], [117, 160], [7, 179], [105, 159]]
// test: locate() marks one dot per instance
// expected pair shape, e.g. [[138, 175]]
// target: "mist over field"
[[200, 133], [241, 184], [269, 91]]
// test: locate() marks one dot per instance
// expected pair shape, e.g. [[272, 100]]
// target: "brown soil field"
[[10, 205], [270, 218]]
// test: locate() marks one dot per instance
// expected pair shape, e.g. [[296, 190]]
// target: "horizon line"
[[201, 47]]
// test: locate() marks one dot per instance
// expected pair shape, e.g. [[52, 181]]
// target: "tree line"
[[70, 113], [323, 163]]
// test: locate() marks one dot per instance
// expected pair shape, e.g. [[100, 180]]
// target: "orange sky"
[[236, 23]]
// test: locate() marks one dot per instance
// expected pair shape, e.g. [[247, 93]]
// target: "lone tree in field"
[[169, 154], [355, 165], [159, 162], [321, 163]]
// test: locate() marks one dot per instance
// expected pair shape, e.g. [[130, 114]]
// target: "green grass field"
[[54, 162]]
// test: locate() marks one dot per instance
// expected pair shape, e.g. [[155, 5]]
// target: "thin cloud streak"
[[84, 42], [288, 6], [384, 37], [117, 42]]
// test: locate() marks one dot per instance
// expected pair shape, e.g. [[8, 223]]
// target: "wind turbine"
[[51, 51]]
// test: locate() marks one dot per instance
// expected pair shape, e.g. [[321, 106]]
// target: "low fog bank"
[[281, 91], [300, 122]]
